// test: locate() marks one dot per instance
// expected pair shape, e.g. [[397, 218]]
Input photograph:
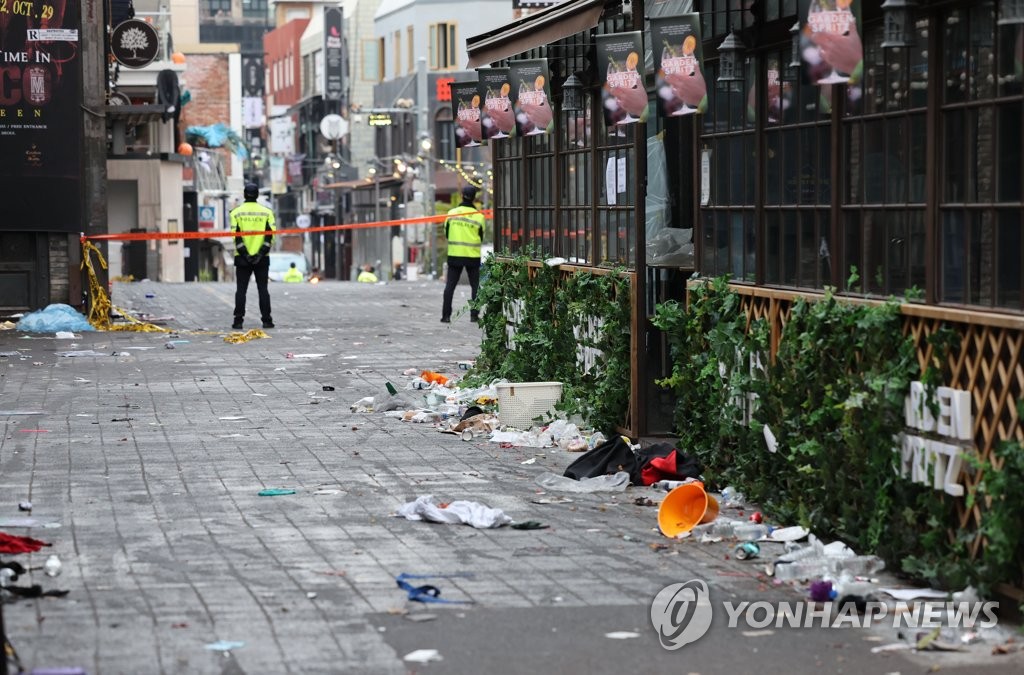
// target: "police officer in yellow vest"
[[251, 252], [292, 275], [464, 230]]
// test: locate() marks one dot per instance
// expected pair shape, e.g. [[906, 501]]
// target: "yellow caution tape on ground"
[[238, 338], [99, 303]]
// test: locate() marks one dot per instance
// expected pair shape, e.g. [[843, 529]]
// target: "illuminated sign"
[[380, 119]]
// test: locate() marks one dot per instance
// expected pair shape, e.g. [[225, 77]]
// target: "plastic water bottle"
[[749, 531], [52, 566]]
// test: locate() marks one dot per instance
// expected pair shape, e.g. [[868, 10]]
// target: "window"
[[410, 48], [396, 47], [217, 8], [252, 8], [371, 65], [307, 75], [728, 168], [442, 52], [980, 141]]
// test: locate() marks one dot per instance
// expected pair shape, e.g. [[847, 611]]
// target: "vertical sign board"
[[830, 43], [334, 72], [41, 117], [532, 89], [621, 63], [466, 99]]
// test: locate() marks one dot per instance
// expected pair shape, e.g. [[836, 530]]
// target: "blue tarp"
[[218, 136], [52, 319]]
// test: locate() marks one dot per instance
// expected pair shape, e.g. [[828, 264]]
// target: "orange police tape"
[[100, 306], [227, 234]]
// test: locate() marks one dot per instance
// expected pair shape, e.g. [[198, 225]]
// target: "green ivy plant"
[[543, 346]]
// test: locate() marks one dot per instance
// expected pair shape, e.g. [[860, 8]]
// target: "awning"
[[133, 115], [550, 25]]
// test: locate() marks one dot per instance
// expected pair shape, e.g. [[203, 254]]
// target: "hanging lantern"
[[1011, 13], [898, 24], [572, 94], [792, 69], [730, 61]]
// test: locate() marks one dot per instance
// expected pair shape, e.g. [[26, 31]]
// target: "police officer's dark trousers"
[[243, 270], [455, 267]]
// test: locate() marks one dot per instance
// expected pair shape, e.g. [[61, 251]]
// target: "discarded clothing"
[[604, 483], [427, 592], [12, 543], [473, 514], [618, 454]]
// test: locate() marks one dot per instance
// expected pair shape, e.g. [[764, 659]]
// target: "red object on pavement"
[[10, 543], [756, 517]]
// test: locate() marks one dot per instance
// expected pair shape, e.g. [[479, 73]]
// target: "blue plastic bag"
[[54, 318]]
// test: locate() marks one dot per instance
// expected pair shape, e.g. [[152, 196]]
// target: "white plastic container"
[[520, 402]]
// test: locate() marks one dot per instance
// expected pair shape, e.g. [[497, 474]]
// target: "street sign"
[[134, 43], [303, 220], [207, 217], [333, 127]]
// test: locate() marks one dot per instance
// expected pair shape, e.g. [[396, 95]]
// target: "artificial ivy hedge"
[[833, 398], [544, 347]]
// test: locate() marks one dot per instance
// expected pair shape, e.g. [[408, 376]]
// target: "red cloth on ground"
[[660, 468], [10, 543]]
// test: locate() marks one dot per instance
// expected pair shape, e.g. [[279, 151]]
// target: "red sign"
[[444, 88]]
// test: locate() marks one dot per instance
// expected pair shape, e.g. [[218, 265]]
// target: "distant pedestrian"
[[293, 275], [251, 252], [367, 276], [464, 230]]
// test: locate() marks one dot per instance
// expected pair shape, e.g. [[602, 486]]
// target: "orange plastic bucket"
[[684, 508]]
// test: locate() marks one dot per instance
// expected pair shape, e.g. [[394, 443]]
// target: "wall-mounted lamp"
[[898, 23], [1011, 13], [730, 60], [572, 94]]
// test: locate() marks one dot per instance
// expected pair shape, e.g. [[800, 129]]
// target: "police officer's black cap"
[[469, 192], [251, 191]]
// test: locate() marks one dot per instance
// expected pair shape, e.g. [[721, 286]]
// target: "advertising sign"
[[334, 67], [134, 43], [466, 99], [678, 56], [620, 62], [531, 86], [830, 43], [497, 118], [41, 118]]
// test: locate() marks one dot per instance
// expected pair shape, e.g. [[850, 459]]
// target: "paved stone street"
[[150, 460]]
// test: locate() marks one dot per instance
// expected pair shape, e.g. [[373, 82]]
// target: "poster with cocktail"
[[497, 118], [620, 61], [466, 99], [676, 45], [530, 84], [830, 44]]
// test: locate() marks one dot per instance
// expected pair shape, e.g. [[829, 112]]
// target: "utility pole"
[[423, 102], [94, 138]]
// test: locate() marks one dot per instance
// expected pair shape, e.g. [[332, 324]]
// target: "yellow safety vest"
[[253, 217], [465, 225], [367, 277], [293, 276]]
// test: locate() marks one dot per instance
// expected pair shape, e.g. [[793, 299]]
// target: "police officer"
[[464, 230], [251, 252]]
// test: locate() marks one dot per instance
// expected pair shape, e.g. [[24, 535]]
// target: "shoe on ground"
[[445, 319], [237, 325], [268, 324]]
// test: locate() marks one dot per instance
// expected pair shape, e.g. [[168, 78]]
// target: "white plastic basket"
[[520, 402]]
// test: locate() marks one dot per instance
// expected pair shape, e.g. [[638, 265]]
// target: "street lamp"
[[897, 26], [426, 145]]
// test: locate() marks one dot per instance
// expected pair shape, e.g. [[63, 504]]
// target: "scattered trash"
[[81, 353], [758, 633], [25, 506], [169, 345], [914, 593], [28, 522], [239, 338], [428, 593], [423, 656], [420, 617], [645, 501], [892, 647], [34, 431], [747, 550], [532, 460], [311, 595], [731, 498], [756, 517], [529, 525], [275, 492], [52, 566], [434, 378], [466, 365], [11, 355], [822, 591], [328, 387], [608, 483], [54, 318], [65, 335], [622, 635], [552, 500], [224, 645], [307, 356], [786, 534], [232, 418], [469, 513], [12, 543], [327, 491]]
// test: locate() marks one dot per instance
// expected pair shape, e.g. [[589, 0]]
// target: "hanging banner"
[[466, 99], [41, 117], [680, 84], [497, 118], [620, 61], [830, 43], [530, 83], [334, 54], [294, 166], [278, 182]]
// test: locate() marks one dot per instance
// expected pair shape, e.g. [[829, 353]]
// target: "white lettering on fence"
[[513, 312], [586, 335], [936, 461]]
